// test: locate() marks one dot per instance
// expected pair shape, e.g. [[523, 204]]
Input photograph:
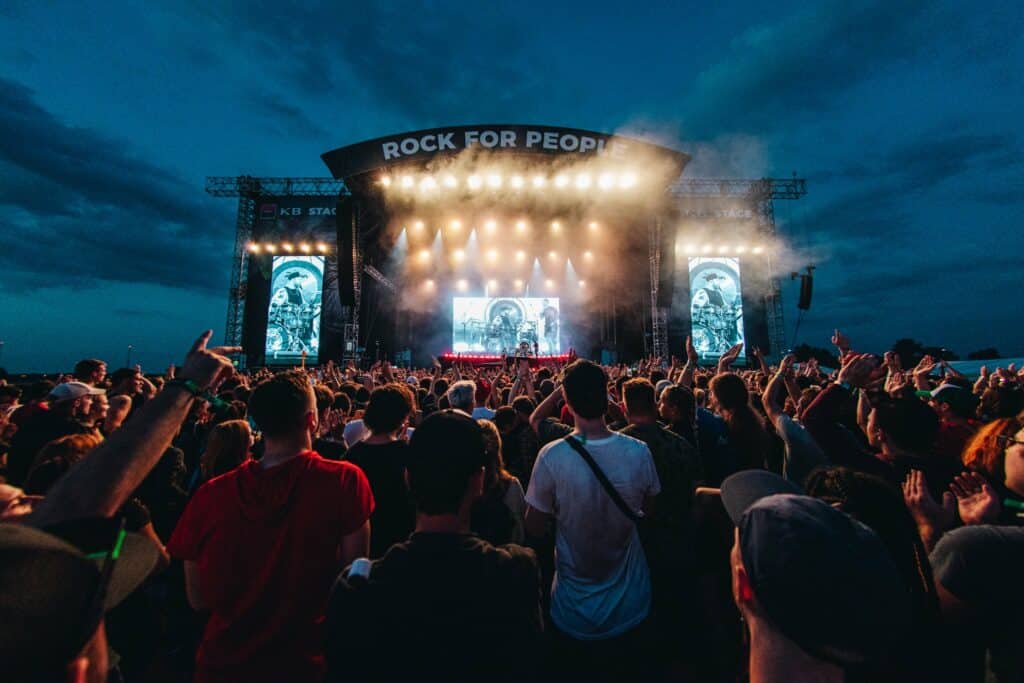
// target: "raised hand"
[[932, 518], [207, 367], [786, 364], [691, 352], [840, 340], [857, 372], [976, 500]]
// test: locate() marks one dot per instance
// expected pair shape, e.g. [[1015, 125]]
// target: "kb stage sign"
[[423, 145]]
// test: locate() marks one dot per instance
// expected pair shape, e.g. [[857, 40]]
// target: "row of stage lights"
[[428, 183], [287, 247], [491, 226], [462, 285], [718, 250], [492, 255]]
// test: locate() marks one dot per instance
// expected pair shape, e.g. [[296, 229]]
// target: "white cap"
[[69, 391]]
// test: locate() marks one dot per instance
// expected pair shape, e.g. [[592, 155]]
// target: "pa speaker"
[[667, 269], [806, 289], [345, 215]]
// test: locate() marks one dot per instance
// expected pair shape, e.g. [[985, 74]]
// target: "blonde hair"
[[226, 448]]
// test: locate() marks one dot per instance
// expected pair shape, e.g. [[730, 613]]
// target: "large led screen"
[[501, 324], [293, 323], [716, 306]]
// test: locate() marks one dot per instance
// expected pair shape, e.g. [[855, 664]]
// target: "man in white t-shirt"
[[601, 595]]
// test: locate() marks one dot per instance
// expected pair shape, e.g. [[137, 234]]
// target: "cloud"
[[285, 118], [78, 207]]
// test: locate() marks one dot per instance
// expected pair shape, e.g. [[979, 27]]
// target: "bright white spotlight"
[[418, 226], [385, 181], [492, 284], [539, 181], [520, 255], [428, 284], [461, 285], [583, 181], [741, 249], [494, 180], [689, 248], [424, 255], [723, 248], [287, 246], [588, 255], [492, 255], [517, 182], [474, 182], [271, 248], [707, 248], [407, 181], [305, 248], [606, 181], [583, 283], [549, 284], [552, 255], [491, 225], [628, 179], [253, 247], [458, 255], [321, 247], [757, 250], [518, 284], [555, 226], [592, 225], [521, 226], [449, 180], [428, 184], [455, 225], [561, 181]]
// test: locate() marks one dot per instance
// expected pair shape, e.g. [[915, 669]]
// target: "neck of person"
[[591, 428], [642, 419], [283, 449], [445, 523], [376, 439], [776, 659]]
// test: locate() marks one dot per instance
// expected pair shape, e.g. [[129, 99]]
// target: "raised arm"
[[770, 397], [546, 409], [100, 484]]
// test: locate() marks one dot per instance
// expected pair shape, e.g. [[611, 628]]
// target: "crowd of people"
[[524, 521]]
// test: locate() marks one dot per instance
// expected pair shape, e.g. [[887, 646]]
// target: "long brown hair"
[[226, 448], [747, 432], [985, 455]]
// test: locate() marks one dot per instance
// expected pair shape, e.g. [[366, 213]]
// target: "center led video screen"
[[501, 324]]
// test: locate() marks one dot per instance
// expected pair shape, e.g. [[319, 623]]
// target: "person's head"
[[729, 393], [524, 407], [585, 389], [462, 396], [342, 405], [816, 585], [677, 404], [126, 381], [1000, 401], [72, 399], [903, 425], [91, 371], [807, 397], [993, 453], [494, 470], [952, 402], [547, 387], [388, 409], [446, 464], [38, 391], [54, 593], [638, 395], [56, 458], [441, 387], [505, 419], [284, 407], [9, 395], [227, 447]]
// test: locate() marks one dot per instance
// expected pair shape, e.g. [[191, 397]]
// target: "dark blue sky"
[[904, 117]]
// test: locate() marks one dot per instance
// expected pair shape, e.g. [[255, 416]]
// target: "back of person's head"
[[462, 395], [445, 453], [280, 405], [638, 395], [388, 409], [349, 389], [242, 394], [37, 391], [682, 399], [909, 423], [324, 398], [56, 458], [505, 418], [441, 387], [9, 393], [85, 368], [494, 470], [585, 389], [985, 452], [657, 376], [362, 396], [424, 383], [342, 404], [227, 447], [123, 375], [879, 505], [523, 405], [547, 387], [543, 374], [730, 392], [1000, 401]]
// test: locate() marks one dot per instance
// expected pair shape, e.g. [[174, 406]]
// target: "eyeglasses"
[[1005, 440]]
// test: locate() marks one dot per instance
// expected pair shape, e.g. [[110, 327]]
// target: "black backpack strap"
[[601, 477]]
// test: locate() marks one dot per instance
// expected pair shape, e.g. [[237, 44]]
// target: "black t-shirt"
[[41, 429], [448, 607], [393, 514], [330, 450]]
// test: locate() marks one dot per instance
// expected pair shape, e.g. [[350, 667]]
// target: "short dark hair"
[[638, 394], [911, 424], [388, 407], [441, 387], [505, 417], [343, 404], [524, 405], [278, 404], [84, 368], [444, 453], [122, 374], [324, 398], [586, 390], [11, 391]]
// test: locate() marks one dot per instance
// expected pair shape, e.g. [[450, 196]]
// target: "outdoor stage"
[[470, 240]]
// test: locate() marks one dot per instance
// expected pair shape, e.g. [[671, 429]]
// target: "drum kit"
[[292, 328], [498, 335]]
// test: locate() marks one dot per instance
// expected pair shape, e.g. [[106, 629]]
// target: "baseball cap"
[[68, 391], [822, 578], [955, 395], [56, 585]]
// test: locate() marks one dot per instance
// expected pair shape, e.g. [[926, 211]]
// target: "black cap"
[[54, 590], [822, 578]]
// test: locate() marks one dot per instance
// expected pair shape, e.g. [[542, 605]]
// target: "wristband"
[[188, 385]]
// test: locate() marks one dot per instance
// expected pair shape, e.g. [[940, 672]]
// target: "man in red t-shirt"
[[263, 544]]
